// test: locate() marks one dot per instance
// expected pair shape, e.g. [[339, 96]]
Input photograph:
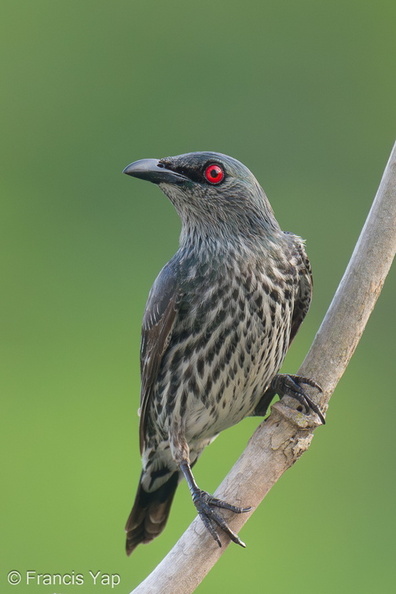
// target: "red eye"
[[214, 174]]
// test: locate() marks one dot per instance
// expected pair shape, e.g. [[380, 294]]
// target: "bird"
[[218, 322]]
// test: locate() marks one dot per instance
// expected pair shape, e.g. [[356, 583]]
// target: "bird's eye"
[[214, 174]]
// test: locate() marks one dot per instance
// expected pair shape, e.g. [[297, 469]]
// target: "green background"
[[303, 93]]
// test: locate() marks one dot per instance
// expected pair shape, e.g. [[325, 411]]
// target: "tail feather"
[[149, 513]]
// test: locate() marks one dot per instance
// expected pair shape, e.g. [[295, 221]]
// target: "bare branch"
[[286, 434]]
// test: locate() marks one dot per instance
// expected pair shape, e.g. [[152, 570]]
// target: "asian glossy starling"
[[218, 322]]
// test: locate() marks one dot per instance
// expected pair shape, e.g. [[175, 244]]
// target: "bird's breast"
[[229, 340]]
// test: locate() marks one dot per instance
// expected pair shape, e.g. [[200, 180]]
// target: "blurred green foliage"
[[304, 94]]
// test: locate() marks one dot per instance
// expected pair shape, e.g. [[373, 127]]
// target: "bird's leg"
[[284, 384], [204, 502]]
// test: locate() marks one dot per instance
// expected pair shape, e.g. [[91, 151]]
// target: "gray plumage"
[[218, 322]]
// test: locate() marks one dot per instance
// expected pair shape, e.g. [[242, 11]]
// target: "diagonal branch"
[[280, 440]]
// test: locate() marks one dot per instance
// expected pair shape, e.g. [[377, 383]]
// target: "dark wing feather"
[[157, 327], [304, 295]]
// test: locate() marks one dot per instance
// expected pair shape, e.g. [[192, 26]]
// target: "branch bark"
[[287, 433]]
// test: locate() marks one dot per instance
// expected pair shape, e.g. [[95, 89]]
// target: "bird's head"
[[212, 193]]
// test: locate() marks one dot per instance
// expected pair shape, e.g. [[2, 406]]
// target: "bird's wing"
[[304, 294], [158, 320]]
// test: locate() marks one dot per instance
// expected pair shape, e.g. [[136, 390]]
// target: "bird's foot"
[[204, 502], [291, 385]]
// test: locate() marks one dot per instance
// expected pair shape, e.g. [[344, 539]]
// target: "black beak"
[[154, 171]]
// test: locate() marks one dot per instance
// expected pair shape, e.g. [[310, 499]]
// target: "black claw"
[[225, 505], [209, 526], [204, 502], [290, 385]]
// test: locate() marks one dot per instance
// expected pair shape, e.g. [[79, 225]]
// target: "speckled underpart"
[[228, 342], [218, 322]]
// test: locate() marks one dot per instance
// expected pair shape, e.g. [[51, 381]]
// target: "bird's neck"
[[217, 244]]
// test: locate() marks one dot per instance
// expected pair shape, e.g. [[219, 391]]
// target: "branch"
[[286, 434]]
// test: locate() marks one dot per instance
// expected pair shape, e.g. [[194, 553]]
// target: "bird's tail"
[[149, 513]]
